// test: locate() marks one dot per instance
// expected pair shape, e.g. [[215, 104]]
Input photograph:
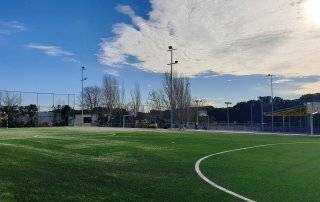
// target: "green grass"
[[72, 164]]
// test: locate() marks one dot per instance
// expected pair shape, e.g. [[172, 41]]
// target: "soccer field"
[[95, 164]]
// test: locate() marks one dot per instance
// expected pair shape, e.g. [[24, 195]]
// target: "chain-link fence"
[[22, 108]]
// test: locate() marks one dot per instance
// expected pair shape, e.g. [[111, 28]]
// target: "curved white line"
[[202, 176]]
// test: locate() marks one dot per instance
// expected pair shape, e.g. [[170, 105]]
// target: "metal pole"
[[188, 108], [228, 120], [53, 100], [272, 109], [82, 80], [171, 49], [228, 116], [38, 109], [171, 88], [251, 116], [262, 121], [197, 101], [123, 121], [311, 124]]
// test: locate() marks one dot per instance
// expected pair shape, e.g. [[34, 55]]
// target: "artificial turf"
[[94, 164]]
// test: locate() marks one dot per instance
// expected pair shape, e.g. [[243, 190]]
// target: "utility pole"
[[82, 81], [188, 107], [272, 109], [171, 49], [228, 117], [261, 108], [251, 116]]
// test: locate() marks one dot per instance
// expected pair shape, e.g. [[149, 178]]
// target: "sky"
[[226, 47]]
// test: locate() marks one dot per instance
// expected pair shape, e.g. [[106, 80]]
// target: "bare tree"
[[91, 97], [9, 107], [122, 103], [181, 96], [110, 93], [136, 100], [10, 100], [155, 100], [0, 99]]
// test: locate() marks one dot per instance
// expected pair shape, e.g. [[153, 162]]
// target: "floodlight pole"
[[82, 81], [188, 107], [272, 108], [197, 102], [261, 108], [251, 116], [228, 116], [171, 49]]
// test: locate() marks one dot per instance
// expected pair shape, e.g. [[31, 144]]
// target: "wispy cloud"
[[238, 37], [308, 88], [112, 72], [11, 27], [283, 81], [55, 51], [50, 50]]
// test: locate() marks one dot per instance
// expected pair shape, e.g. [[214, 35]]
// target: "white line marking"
[[202, 176]]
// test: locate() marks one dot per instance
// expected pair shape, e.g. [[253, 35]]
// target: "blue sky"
[[43, 44]]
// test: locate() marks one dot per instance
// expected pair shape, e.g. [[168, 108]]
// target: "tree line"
[[242, 111], [110, 95]]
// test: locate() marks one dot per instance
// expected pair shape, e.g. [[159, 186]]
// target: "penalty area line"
[[221, 188]]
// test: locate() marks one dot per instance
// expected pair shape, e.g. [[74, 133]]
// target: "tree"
[[136, 99], [9, 100], [9, 108], [110, 93], [28, 114], [181, 96], [122, 103], [155, 100], [91, 97]]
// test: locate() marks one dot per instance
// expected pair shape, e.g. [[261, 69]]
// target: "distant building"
[[88, 119], [45, 118]]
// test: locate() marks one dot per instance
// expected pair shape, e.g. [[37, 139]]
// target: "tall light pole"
[[82, 81], [188, 107], [251, 116], [271, 89], [171, 49], [262, 115], [228, 116]]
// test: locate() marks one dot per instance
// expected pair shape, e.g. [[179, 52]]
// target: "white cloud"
[[10, 27], [279, 81], [238, 37], [112, 72], [50, 50], [308, 88], [55, 51]]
